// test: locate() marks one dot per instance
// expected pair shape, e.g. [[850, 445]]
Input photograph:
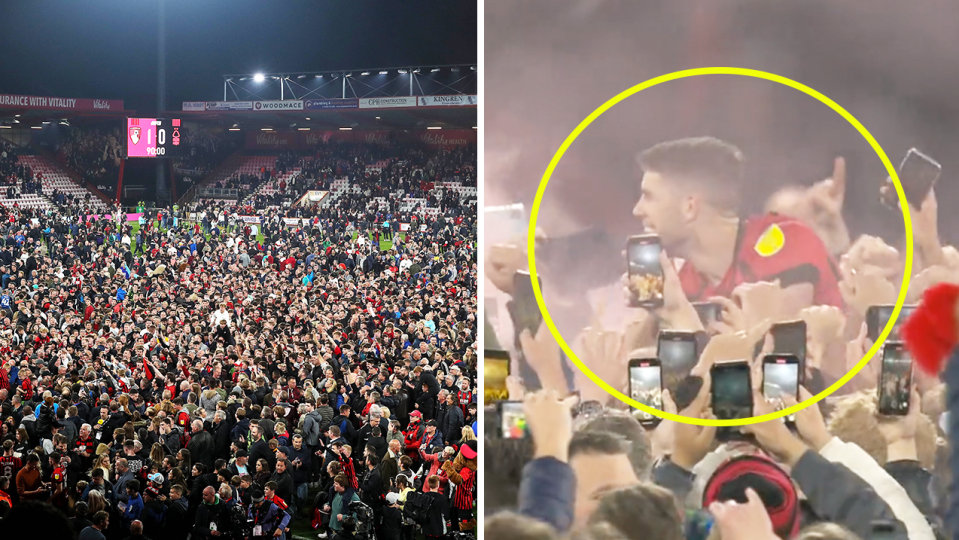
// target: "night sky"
[[107, 49]]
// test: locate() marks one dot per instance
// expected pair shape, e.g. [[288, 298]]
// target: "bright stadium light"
[[417, 70], [307, 117], [383, 72], [377, 117], [303, 129], [400, 71], [365, 73], [472, 68], [259, 77], [266, 129], [301, 76], [434, 70], [346, 129], [434, 127]]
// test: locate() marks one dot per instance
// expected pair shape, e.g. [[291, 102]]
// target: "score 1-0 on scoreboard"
[[154, 138]]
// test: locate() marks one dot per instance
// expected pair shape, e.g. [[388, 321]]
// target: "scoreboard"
[[154, 138]]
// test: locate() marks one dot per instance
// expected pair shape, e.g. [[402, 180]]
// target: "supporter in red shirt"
[[690, 197]]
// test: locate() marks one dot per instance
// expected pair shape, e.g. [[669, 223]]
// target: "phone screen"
[[646, 387], [895, 383], [790, 338], [510, 221], [732, 391], [512, 419], [495, 371], [877, 317], [525, 309], [642, 254], [780, 379], [918, 173], [677, 353]]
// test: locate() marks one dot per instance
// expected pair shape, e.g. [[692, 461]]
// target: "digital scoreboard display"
[[154, 138]]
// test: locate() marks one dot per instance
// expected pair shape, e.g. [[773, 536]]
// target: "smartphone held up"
[[781, 376], [646, 387], [918, 174], [895, 380], [496, 368], [732, 395], [644, 271]]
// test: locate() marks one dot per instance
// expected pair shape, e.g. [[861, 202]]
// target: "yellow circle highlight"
[[534, 213]]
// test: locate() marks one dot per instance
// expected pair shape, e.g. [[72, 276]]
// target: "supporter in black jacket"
[[221, 436], [201, 446]]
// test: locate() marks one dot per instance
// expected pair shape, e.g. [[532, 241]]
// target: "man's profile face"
[[590, 487], [660, 207]]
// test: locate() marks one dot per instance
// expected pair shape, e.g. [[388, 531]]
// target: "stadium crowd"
[[838, 470], [94, 152], [12, 172], [190, 375], [408, 167], [206, 150]]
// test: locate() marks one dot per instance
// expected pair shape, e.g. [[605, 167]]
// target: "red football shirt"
[[772, 247]]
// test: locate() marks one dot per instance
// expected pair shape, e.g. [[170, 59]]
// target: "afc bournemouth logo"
[[135, 134]]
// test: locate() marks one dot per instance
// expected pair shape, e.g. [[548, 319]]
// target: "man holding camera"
[[268, 519]]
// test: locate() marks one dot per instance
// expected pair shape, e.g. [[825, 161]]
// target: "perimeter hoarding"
[[459, 100], [286, 105], [229, 105], [321, 104], [19, 101], [388, 103]]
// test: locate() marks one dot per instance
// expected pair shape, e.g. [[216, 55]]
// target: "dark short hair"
[[705, 163], [639, 449], [641, 511], [597, 442]]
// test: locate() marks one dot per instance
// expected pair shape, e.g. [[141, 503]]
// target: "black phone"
[[918, 173], [732, 396], [781, 374], [526, 313], [895, 380], [678, 353], [496, 368], [885, 530], [512, 419], [646, 387], [789, 338], [708, 312], [877, 317], [642, 263]]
